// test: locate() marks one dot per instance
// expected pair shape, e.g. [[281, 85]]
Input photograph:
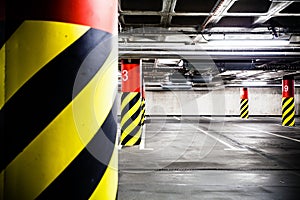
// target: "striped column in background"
[[131, 100], [244, 108], [288, 102]]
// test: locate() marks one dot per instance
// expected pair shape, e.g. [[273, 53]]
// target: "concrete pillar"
[[131, 112], [58, 111], [288, 102], [244, 108], [143, 104]]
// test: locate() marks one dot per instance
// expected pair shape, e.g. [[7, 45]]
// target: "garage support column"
[[143, 104], [288, 102], [244, 108], [58, 112], [131, 101]]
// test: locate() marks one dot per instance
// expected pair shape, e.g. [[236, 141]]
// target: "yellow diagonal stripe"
[[64, 138], [25, 43], [127, 99], [292, 107], [2, 76], [134, 139], [287, 120], [132, 110], [244, 115], [286, 103], [129, 129], [108, 186], [244, 108]]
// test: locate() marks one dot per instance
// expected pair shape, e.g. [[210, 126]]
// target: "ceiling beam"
[[274, 9]]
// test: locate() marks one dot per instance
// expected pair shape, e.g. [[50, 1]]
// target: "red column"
[[288, 102], [131, 114], [57, 107], [244, 112], [131, 76]]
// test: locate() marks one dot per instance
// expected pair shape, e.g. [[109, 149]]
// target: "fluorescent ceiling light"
[[254, 83], [253, 43], [168, 61]]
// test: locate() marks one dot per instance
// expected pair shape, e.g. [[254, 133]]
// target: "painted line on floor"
[[234, 131], [143, 140], [118, 137], [269, 133], [230, 147]]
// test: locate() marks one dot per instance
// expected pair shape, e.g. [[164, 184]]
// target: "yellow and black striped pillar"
[[131, 110], [143, 110], [244, 108], [143, 104], [58, 127], [288, 102]]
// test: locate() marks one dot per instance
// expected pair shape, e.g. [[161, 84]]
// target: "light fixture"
[[254, 83], [180, 86], [253, 43]]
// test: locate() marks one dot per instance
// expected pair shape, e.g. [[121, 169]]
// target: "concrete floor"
[[212, 158]]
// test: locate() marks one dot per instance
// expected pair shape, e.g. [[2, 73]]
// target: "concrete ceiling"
[[228, 40]]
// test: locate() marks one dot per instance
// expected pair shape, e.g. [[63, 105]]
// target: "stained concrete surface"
[[212, 158]]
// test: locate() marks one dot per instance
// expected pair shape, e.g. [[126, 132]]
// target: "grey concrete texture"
[[212, 158]]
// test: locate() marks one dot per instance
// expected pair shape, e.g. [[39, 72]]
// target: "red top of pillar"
[[244, 93], [288, 88], [99, 14], [131, 77]]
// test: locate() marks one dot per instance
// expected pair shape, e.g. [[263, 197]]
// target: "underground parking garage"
[[160, 99]]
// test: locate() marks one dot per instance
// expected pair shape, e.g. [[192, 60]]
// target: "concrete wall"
[[262, 101]]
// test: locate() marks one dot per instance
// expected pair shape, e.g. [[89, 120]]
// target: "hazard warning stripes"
[[31, 102], [244, 112], [131, 114], [30, 44], [143, 111], [59, 139], [288, 111]]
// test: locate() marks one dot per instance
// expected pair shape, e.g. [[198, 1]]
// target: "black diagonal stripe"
[[7, 28], [288, 106], [243, 103], [285, 100], [137, 142], [130, 104], [143, 105], [2, 34], [242, 106], [124, 95], [291, 112], [244, 114], [131, 135], [48, 92], [245, 108], [290, 122], [81, 177], [131, 119]]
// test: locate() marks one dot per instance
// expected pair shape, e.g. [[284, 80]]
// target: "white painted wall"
[[262, 101]]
